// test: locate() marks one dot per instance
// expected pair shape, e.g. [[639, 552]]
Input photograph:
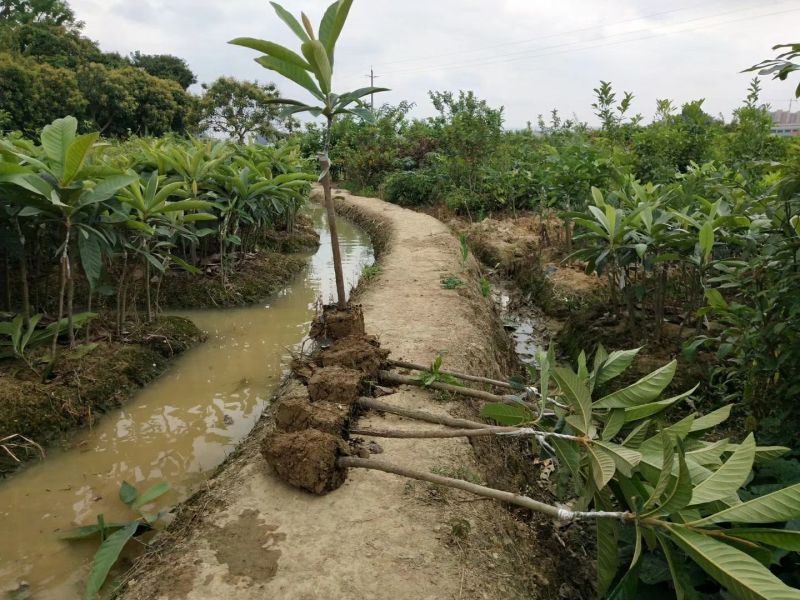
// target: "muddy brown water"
[[178, 429]]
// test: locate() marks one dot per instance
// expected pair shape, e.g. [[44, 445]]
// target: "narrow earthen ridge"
[[374, 537]]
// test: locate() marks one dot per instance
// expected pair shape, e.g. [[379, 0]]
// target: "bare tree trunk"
[[23, 276], [121, 294], [70, 301], [147, 291], [325, 163], [337, 257]]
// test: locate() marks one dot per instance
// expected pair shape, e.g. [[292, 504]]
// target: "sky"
[[527, 56]]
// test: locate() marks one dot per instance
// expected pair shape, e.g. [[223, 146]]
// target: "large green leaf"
[[602, 465], [91, 257], [576, 394], [643, 391], [316, 56], [783, 505], [128, 493], [76, 155], [625, 459], [726, 480], [106, 556], [607, 553], [291, 71], [506, 414], [272, 49], [680, 494], [334, 23], [56, 139], [779, 538], [712, 419], [740, 574], [665, 475], [349, 97], [615, 364], [293, 23], [107, 188], [151, 494], [87, 531], [709, 454], [652, 408]]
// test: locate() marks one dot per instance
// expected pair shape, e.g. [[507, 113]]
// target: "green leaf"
[[187, 205], [638, 435], [128, 493], [56, 139], [87, 531], [785, 539], [706, 239], [709, 454], [338, 24], [615, 364], [151, 494], [349, 97], [505, 414], [665, 475], [740, 574], [602, 465], [91, 258], [616, 419], [712, 419], [107, 188], [76, 155], [678, 497], [625, 459], [646, 389], [291, 71], [316, 56], [607, 553], [726, 480], [293, 23], [715, 299], [647, 410], [626, 588], [106, 556], [678, 576], [783, 505], [272, 49], [576, 394]]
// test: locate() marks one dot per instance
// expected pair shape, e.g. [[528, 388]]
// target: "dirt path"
[[378, 536]]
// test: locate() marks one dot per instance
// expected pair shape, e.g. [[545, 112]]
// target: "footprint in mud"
[[248, 546]]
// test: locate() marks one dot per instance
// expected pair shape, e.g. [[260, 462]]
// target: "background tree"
[[240, 108], [49, 12], [165, 66]]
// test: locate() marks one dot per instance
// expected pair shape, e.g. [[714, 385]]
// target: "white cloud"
[[528, 55]]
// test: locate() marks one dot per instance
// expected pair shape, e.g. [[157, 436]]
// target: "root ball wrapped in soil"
[[306, 459], [296, 414], [356, 352], [335, 323], [338, 385]]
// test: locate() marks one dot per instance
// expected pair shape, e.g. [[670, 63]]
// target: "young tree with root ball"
[[317, 61]]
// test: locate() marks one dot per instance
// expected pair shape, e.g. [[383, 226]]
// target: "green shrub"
[[411, 188]]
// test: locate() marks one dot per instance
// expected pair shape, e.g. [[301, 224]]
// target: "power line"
[[543, 37], [514, 57]]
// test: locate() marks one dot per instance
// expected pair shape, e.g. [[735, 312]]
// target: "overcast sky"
[[526, 55]]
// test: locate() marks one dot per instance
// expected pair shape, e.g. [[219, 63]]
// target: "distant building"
[[785, 123]]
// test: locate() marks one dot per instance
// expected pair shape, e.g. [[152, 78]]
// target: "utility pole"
[[372, 78]]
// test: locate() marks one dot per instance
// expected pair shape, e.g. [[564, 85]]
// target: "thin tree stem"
[[481, 490]]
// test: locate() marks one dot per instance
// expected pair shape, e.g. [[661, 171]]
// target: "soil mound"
[[306, 459]]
